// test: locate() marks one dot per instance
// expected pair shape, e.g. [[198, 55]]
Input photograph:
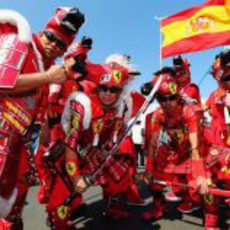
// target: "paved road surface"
[[34, 216]]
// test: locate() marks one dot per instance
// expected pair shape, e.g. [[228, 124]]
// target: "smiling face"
[[108, 95], [52, 45]]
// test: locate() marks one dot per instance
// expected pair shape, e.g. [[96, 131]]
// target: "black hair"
[[166, 69]]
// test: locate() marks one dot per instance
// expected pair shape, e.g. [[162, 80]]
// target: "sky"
[[126, 27]]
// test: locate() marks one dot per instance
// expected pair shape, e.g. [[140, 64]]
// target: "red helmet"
[[65, 23], [168, 84], [179, 63]]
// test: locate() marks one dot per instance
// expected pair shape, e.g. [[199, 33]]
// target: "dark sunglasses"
[[53, 38], [181, 71], [225, 78], [112, 89], [169, 98]]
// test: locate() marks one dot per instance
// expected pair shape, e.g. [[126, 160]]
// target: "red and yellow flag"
[[197, 28]]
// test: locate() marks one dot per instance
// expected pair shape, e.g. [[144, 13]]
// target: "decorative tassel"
[[226, 115], [96, 140], [115, 136]]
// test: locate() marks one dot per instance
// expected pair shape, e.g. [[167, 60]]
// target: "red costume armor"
[[18, 112], [169, 142], [189, 91], [88, 127], [218, 134]]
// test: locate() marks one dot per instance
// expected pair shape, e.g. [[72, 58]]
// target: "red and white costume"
[[168, 143], [23, 54], [218, 134], [88, 126]]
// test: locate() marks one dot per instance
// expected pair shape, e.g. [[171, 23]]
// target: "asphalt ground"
[[92, 217]]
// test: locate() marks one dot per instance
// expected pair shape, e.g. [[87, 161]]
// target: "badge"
[[74, 123], [179, 135], [118, 125], [62, 212], [117, 76], [209, 198], [172, 87], [71, 168], [98, 126]]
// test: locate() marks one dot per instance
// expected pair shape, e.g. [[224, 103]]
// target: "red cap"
[[179, 62], [168, 84], [115, 76], [65, 23]]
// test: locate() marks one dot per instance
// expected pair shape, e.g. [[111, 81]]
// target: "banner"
[[197, 28]]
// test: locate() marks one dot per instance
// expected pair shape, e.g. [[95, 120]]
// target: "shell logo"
[[200, 24]]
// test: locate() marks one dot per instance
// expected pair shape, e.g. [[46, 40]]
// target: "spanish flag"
[[197, 28]]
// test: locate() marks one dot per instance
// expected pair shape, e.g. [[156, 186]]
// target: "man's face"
[[168, 102], [108, 95], [52, 45], [182, 75], [225, 79]]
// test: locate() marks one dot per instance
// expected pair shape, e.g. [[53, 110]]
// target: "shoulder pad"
[[82, 99], [13, 46]]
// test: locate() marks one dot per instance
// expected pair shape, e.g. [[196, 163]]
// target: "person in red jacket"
[[175, 146], [189, 91], [75, 56], [26, 67], [218, 134], [92, 123]]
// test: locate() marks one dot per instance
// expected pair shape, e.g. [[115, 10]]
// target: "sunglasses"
[[225, 78], [181, 71], [169, 98], [112, 89], [53, 38]]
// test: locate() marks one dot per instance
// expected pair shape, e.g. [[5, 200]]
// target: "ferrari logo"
[[117, 76], [62, 212], [179, 135], [172, 88], [74, 124], [98, 126], [118, 125], [209, 198], [71, 168]]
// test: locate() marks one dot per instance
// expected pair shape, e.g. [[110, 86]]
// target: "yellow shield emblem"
[[62, 212], [71, 168], [74, 124], [209, 198], [98, 126], [173, 88], [117, 75]]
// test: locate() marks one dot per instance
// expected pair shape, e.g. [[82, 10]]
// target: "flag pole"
[[160, 42]]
